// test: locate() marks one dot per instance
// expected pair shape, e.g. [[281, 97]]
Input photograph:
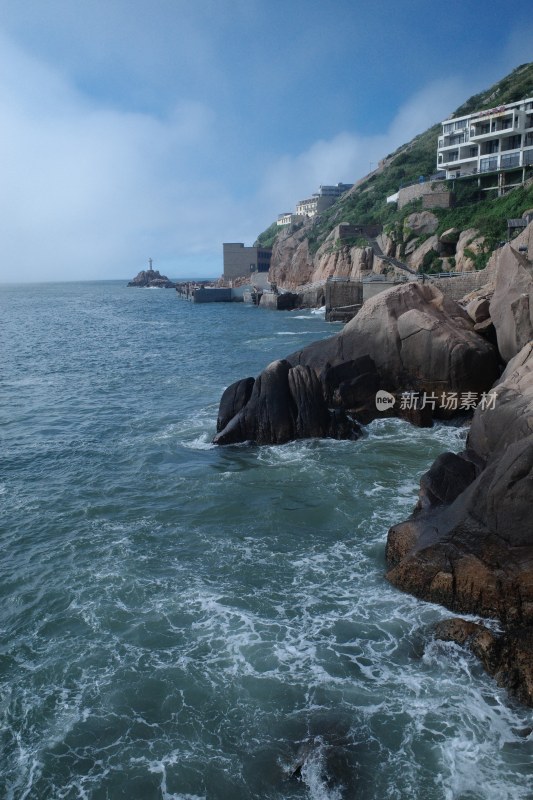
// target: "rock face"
[[151, 278], [469, 241], [469, 543], [511, 307], [507, 657], [409, 338], [421, 222], [282, 404], [418, 340]]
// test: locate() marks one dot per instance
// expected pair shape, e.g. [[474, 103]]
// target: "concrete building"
[[242, 261], [324, 198], [498, 141], [288, 218]]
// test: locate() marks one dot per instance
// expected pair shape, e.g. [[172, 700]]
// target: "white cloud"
[[92, 192], [90, 189], [347, 157]]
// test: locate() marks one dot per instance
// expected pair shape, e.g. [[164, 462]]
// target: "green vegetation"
[[431, 263], [515, 86], [474, 208], [268, 237], [488, 216]]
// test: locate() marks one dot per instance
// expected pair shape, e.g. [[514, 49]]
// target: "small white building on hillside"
[[318, 202]]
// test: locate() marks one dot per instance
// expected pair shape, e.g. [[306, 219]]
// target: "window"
[[488, 164], [511, 143], [510, 161], [491, 147]]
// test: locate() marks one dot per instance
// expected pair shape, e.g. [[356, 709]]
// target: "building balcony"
[[447, 158], [482, 131], [488, 164], [509, 161], [454, 140]]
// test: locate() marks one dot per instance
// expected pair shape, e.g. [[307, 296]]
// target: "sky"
[[137, 129]]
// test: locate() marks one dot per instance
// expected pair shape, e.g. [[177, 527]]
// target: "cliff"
[[459, 238]]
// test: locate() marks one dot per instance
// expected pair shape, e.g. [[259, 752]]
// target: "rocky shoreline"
[[469, 543]]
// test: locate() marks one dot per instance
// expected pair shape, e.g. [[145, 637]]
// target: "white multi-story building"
[[288, 218], [319, 201], [499, 140]]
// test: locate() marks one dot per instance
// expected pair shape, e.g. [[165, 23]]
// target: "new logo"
[[384, 400]]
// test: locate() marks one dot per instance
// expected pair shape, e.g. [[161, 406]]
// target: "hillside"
[[310, 251]]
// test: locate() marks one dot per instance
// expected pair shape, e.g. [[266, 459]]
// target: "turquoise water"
[[181, 621]]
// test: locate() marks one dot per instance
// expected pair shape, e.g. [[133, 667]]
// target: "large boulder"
[[408, 339], [420, 223], [415, 258], [285, 403], [469, 543], [469, 243], [511, 307], [418, 340]]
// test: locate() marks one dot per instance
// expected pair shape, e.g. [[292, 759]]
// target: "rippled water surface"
[[181, 621]]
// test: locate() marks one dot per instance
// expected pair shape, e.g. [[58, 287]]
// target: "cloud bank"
[[92, 190]]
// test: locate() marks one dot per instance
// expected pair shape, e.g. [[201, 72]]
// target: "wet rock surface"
[[508, 657], [469, 542], [409, 338], [284, 403]]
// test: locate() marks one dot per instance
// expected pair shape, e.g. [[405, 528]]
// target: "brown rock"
[[508, 657], [469, 240], [451, 236], [478, 310], [511, 307], [418, 339], [285, 403], [469, 542], [421, 222], [416, 258]]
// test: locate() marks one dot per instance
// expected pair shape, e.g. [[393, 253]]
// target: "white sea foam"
[[292, 333], [315, 777], [203, 621], [202, 442]]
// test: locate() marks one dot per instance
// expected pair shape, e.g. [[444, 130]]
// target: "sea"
[[180, 621]]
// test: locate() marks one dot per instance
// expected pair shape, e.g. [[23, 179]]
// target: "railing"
[[431, 179], [510, 161], [488, 164]]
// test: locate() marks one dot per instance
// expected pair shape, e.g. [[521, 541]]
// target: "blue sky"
[[134, 129]]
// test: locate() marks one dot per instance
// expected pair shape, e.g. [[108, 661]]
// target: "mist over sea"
[[180, 621]]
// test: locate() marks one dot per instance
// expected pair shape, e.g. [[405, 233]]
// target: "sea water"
[[180, 621]]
